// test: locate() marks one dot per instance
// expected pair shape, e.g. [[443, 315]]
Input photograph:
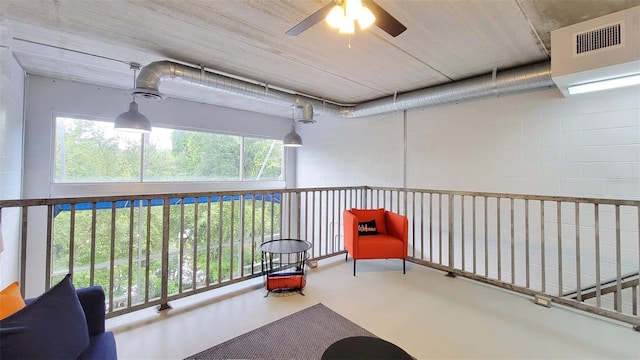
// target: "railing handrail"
[[552, 198], [107, 198], [111, 198]]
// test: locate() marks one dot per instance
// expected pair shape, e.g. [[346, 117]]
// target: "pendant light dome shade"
[[292, 139], [133, 120]]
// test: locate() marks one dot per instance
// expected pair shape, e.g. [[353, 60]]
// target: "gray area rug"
[[302, 335]]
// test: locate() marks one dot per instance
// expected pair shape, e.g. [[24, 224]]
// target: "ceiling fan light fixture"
[[347, 26], [353, 8], [335, 17], [366, 18]]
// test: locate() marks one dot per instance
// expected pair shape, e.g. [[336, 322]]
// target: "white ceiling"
[[94, 41]]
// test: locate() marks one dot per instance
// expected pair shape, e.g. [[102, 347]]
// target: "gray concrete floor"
[[425, 313]]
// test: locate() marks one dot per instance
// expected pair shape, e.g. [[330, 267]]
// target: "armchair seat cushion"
[[380, 246]]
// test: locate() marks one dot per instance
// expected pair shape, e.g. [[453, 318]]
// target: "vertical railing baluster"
[[181, 239], [542, 250], [618, 293], [338, 225], [513, 249], [231, 233], [164, 284], [242, 234], [462, 231], [559, 221], [220, 234], [92, 264], [289, 213], [421, 226], [333, 220], [413, 222], [440, 229], [527, 263], [262, 224], [298, 214], [112, 251], [637, 291], [306, 218], [326, 221], [313, 225], [48, 269], [147, 254], [431, 227], [578, 268], [451, 232], [597, 245], [498, 227], [196, 209], [486, 236], [130, 260], [474, 223], [273, 214], [72, 238], [253, 233], [320, 202]]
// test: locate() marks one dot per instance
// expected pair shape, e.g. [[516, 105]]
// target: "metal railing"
[[148, 250], [580, 252]]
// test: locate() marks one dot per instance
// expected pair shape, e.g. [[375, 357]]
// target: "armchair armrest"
[[350, 232], [398, 227], [92, 301]]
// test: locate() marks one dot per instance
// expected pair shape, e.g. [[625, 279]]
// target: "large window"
[[92, 151]]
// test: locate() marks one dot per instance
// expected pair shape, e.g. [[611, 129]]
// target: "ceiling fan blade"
[[384, 20], [313, 19]]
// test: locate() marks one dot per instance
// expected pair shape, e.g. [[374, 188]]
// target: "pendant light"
[[292, 139], [133, 120]]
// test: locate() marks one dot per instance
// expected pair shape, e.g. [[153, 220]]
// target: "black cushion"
[[367, 228]]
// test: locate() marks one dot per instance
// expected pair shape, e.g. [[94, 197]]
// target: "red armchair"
[[387, 238]]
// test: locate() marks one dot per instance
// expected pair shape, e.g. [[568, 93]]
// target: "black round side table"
[[364, 347]]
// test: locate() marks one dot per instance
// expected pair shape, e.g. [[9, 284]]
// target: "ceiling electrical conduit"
[[498, 83]]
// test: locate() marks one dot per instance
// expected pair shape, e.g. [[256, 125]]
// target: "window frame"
[[59, 187]]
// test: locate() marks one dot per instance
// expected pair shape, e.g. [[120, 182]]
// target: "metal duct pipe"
[[525, 78], [511, 81], [152, 75]]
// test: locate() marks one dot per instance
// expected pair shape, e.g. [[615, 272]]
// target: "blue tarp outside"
[[122, 204]]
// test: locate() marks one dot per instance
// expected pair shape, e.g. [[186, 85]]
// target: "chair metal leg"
[[346, 256], [404, 271], [354, 267]]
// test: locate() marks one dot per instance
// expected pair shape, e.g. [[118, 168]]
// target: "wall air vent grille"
[[601, 38]]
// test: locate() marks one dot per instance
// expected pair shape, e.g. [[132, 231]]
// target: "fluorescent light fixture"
[[605, 84]]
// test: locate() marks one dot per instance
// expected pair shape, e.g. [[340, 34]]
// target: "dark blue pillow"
[[53, 326], [367, 228]]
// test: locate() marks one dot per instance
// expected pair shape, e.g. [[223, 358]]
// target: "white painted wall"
[[352, 152], [532, 143], [11, 138]]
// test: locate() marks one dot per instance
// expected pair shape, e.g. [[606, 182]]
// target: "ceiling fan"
[[342, 14]]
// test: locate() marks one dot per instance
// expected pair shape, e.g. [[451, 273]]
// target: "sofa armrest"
[[350, 233], [398, 227], [92, 301]]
